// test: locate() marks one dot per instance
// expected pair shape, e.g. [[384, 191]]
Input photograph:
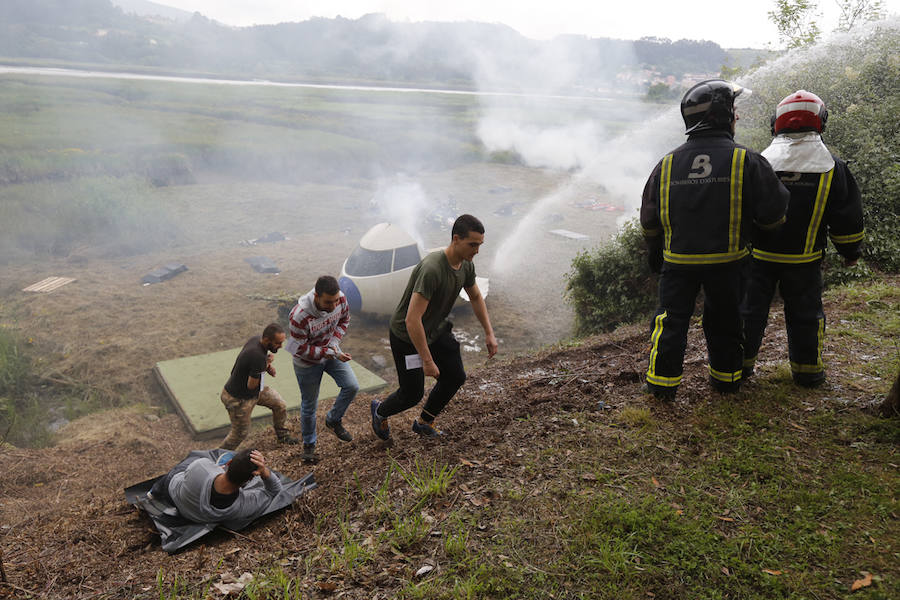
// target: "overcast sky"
[[729, 24]]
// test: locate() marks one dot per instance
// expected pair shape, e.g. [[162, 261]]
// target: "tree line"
[[368, 48]]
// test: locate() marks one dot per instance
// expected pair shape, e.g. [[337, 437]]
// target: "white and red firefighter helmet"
[[801, 111]]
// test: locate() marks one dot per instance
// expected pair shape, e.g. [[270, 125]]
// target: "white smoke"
[[404, 203], [556, 122]]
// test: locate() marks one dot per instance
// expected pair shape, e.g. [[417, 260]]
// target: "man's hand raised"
[[257, 458]]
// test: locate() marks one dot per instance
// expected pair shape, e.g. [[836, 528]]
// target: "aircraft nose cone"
[[354, 298]]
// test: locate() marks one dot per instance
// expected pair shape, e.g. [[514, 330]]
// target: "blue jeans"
[[309, 378]]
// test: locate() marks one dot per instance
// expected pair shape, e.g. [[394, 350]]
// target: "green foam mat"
[[195, 383]]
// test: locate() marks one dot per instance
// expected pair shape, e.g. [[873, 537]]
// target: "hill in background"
[[135, 33]]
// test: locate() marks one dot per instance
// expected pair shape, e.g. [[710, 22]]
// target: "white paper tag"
[[413, 361]]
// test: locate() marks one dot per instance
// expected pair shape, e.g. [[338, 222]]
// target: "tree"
[[794, 20], [857, 11], [891, 405]]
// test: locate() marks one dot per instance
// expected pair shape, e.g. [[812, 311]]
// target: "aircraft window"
[[407, 256], [365, 263]]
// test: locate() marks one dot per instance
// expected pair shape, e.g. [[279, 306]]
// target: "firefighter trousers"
[[723, 289], [800, 286]]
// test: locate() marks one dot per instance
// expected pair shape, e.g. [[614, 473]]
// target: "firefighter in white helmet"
[[825, 202]]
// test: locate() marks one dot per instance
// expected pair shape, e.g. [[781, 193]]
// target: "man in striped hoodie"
[[317, 324]]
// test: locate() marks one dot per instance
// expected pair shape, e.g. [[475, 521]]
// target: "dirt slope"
[[67, 531]]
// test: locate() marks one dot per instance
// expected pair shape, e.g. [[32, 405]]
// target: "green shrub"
[[14, 365], [612, 284], [23, 417], [837, 273], [859, 80], [56, 217]]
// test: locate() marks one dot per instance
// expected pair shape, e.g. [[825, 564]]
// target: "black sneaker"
[[379, 424], [426, 430], [309, 454], [339, 430], [288, 439]]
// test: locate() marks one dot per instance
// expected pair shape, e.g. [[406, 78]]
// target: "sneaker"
[[309, 454], [426, 430], [339, 430], [288, 439], [379, 424]]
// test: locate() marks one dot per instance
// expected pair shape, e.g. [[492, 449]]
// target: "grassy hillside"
[[101, 150], [537, 492]]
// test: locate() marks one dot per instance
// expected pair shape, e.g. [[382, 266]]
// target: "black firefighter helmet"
[[709, 105]]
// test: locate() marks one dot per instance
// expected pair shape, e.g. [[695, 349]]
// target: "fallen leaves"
[[866, 581], [424, 570], [228, 585]]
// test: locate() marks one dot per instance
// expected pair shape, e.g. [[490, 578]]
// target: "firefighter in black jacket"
[[696, 214], [824, 199]]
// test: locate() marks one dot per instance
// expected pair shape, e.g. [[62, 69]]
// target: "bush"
[[23, 419], [836, 273], [858, 77], [612, 284], [57, 217], [14, 365]]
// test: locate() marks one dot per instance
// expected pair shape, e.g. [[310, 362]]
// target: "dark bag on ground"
[[177, 532]]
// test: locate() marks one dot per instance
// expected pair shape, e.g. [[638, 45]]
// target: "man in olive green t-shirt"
[[421, 338]]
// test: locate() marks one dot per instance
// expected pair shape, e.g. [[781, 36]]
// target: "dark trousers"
[[445, 352], [800, 286], [723, 289]]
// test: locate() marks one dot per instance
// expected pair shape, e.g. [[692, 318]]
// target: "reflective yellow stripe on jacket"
[[737, 199], [665, 176], [850, 238], [809, 253], [736, 206], [792, 259], [818, 211]]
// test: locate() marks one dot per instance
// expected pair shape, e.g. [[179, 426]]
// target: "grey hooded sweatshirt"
[[190, 491]]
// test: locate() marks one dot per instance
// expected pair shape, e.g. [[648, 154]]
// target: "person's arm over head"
[[480, 309], [254, 501]]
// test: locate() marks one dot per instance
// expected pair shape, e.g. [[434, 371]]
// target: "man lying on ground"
[[206, 492]]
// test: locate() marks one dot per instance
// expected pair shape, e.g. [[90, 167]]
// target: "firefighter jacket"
[[827, 201], [702, 199]]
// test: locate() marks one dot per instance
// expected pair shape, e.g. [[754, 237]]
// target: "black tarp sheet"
[[177, 532]]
